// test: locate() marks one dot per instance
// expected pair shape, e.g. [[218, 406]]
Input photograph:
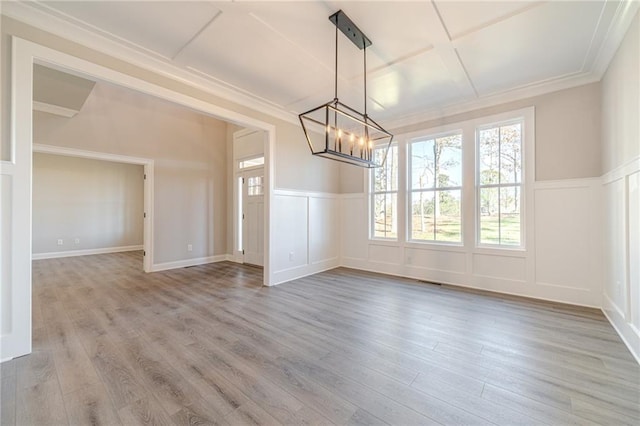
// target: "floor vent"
[[428, 282]]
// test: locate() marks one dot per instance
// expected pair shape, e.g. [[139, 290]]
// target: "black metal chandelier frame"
[[355, 143]]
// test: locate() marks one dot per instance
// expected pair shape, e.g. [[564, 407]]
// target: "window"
[[255, 186], [435, 185], [384, 195], [462, 187], [252, 162], [499, 184]]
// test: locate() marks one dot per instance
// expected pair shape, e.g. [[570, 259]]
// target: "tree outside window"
[[500, 184], [384, 195], [436, 189]]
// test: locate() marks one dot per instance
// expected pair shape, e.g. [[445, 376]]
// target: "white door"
[[253, 216], [15, 222]]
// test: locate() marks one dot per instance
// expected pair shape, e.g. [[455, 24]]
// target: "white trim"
[[40, 16], [452, 278], [622, 171], [93, 155], [148, 187], [567, 183], [621, 317], [189, 262], [303, 193], [625, 12], [37, 14], [627, 332], [54, 109], [87, 252], [290, 274]]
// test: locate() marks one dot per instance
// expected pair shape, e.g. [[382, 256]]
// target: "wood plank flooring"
[[209, 345]]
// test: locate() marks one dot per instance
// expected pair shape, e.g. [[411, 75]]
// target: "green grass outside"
[[448, 229]]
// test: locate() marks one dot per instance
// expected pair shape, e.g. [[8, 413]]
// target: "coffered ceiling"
[[426, 55]]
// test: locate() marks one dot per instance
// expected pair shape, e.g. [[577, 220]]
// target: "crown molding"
[[513, 95], [54, 109], [623, 17], [622, 20], [39, 16], [46, 19]]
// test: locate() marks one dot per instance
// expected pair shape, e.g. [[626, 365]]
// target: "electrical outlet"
[[291, 256], [189, 247], [76, 241], [60, 242]]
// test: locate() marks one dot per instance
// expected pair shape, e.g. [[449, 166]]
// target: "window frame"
[[469, 199], [425, 136], [239, 162], [522, 185], [372, 194]]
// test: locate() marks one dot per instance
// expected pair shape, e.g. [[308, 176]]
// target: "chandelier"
[[339, 132]]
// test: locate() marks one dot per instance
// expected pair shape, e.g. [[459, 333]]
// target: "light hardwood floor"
[[208, 344]]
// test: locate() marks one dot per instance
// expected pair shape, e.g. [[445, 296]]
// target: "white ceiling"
[[425, 55]]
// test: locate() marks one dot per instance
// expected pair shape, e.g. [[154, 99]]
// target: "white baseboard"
[[87, 252], [283, 276], [539, 291], [189, 262], [627, 332]]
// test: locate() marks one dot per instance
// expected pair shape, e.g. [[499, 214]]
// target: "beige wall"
[[189, 151], [100, 203], [621, 103], [291, 147], [567, 134], [567, 131]]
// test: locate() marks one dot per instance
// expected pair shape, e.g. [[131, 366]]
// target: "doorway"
[[147, 197], [15, 170], [251, 194]]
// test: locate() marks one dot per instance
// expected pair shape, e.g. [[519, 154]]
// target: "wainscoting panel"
[[562, 260], [615, 242], [306, 233], [634, 248], [511, 268], [436, 260], [324, 228], [621, 301], [385, 254], [6, 313], [566, 220]]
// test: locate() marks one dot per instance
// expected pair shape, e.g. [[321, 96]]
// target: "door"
[[253, 216]]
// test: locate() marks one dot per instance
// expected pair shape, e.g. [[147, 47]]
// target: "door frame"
[[148, 165], [15, 338], [238, 223]]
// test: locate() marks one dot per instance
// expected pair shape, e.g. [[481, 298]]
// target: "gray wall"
[[100, 203], [567, 134], [189, 151]]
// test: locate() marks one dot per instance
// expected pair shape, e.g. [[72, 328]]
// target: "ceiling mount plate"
[[349, 29]]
